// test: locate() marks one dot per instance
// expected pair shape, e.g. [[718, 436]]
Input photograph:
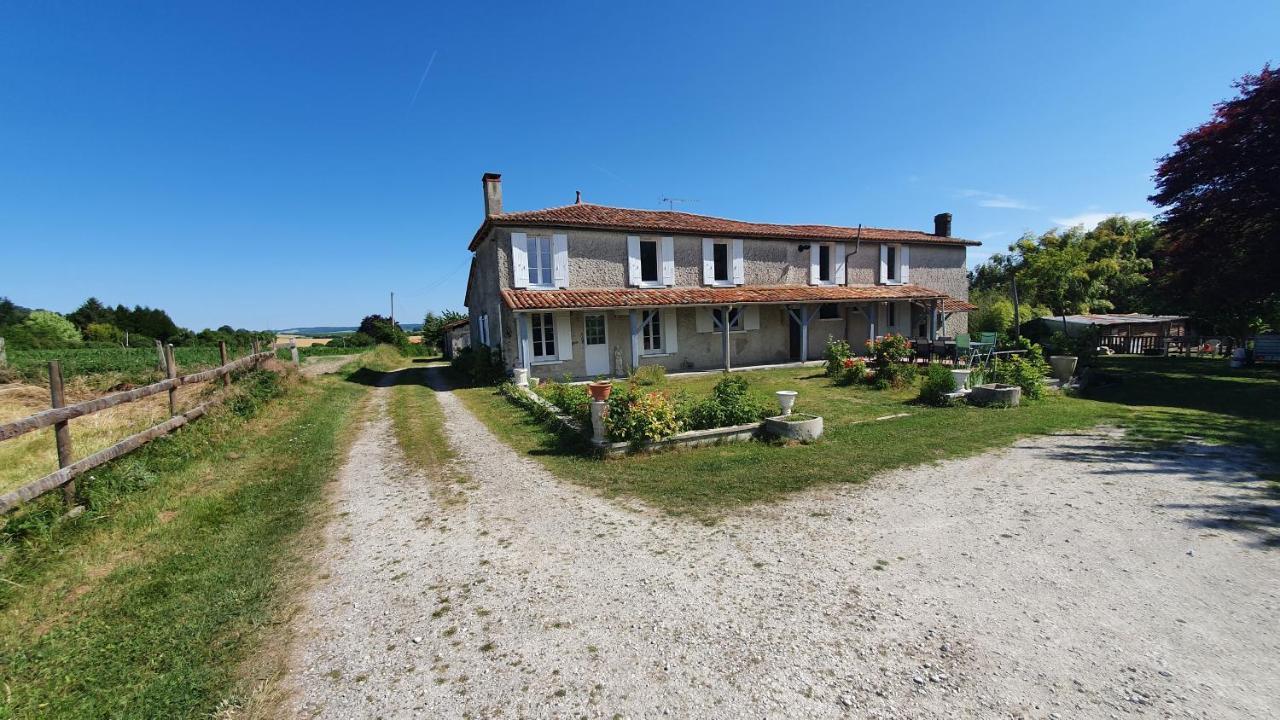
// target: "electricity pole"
[[393, 308]]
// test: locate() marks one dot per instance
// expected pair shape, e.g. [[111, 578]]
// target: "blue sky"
[[285, 164]]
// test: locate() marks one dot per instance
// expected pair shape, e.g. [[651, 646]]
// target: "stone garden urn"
[[786, 400], [1064, 366]]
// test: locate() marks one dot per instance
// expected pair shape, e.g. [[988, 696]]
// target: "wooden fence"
[[60, 414]]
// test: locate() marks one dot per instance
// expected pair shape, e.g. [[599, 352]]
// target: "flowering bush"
[[889, 349], [852, 370], [573, 400], [837, 353], [638, 418]]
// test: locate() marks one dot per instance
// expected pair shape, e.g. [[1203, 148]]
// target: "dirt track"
[[1063, 577]]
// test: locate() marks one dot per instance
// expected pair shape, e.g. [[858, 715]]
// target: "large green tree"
[[1220, 190]]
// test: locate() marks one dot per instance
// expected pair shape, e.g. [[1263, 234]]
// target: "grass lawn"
[[156, 601], [1159, 399]]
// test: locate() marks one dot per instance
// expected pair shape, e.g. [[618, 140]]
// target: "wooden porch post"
[[523, 340], [804, 333], [933, 320], [872, 312], [724, 331], [635, 339]]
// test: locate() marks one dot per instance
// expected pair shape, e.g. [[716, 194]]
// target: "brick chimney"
[[942, 224], [492, 194]]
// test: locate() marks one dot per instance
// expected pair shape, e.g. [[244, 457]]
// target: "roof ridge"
[[707, 217]]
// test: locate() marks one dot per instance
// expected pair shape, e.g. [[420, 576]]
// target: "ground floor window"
[[542, 328], [651, 331], [735, 319], [828, 311]]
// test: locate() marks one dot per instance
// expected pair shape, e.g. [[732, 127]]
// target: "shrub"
[[637, 417], [729, 404], [894, 375], [479, 365], [573, 400], [853, 370], [1023, 372], [837, 353], [938, 382], [649, 375]]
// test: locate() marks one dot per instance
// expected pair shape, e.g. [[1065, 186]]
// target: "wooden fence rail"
[[59, 416]]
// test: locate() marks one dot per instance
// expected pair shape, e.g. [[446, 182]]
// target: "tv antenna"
[[671, 201]]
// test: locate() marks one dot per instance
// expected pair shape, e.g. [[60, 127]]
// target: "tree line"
[[95, 324], [1213, 253]]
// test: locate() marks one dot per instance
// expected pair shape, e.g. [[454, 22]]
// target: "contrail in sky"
[[423, 79]]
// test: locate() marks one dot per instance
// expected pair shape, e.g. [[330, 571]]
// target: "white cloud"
[[1092, 218], [996, 200]]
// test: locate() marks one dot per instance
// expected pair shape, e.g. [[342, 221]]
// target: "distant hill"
[[338, 329]]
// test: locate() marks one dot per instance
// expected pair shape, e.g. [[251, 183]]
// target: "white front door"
[[596, 341]]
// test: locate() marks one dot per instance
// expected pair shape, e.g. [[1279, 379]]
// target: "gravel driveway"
[[1065, 576]]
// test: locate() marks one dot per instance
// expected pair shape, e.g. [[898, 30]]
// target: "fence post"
[[162, 362], [222, 352], [257, 347], [62, 430], [293, 349], [4, 355], [172, 372]]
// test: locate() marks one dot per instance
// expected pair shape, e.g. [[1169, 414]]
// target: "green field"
[[112, 365]]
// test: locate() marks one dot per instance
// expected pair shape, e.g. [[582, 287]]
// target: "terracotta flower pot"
[[600, 390]]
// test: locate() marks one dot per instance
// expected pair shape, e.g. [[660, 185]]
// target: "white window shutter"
[[560, 262], [837, 260], [564, 336], [633, 260], [519, 260], [668, 261], [739, 270], [669, 331], [884, 263], [751, 317], [702, 320], [904, 255], [815, 272], [708, 261]]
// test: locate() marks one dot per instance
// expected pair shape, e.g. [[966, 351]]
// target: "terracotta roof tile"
[[636, 297], [952, 305], [587, 215]]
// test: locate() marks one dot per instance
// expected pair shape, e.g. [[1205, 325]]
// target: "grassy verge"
[[418, 421], [856, 446], [1159, 400], [147, 604]]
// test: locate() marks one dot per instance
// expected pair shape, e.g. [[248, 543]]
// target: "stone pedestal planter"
[[797, 426], [786, 400], [600, 390], [996, 394], [1064, 366], [961, 376]]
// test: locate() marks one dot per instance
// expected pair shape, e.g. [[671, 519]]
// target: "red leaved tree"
[[1221, 192]]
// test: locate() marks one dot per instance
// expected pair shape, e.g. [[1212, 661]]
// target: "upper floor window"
[[722, 262], [826, 264], [895, 264], [649, 261], [539, 261], [540, 268]]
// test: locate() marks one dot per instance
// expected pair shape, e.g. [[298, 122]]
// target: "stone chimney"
[[942, 224], [492, 194]]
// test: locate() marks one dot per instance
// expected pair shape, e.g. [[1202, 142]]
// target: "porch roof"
[[952, 305], [754, 294]]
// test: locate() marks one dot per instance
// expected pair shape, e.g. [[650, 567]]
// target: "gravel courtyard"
[[1064, 577]]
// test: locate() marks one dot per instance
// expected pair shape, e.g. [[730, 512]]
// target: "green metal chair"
[[962, 347], [987, 338]]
